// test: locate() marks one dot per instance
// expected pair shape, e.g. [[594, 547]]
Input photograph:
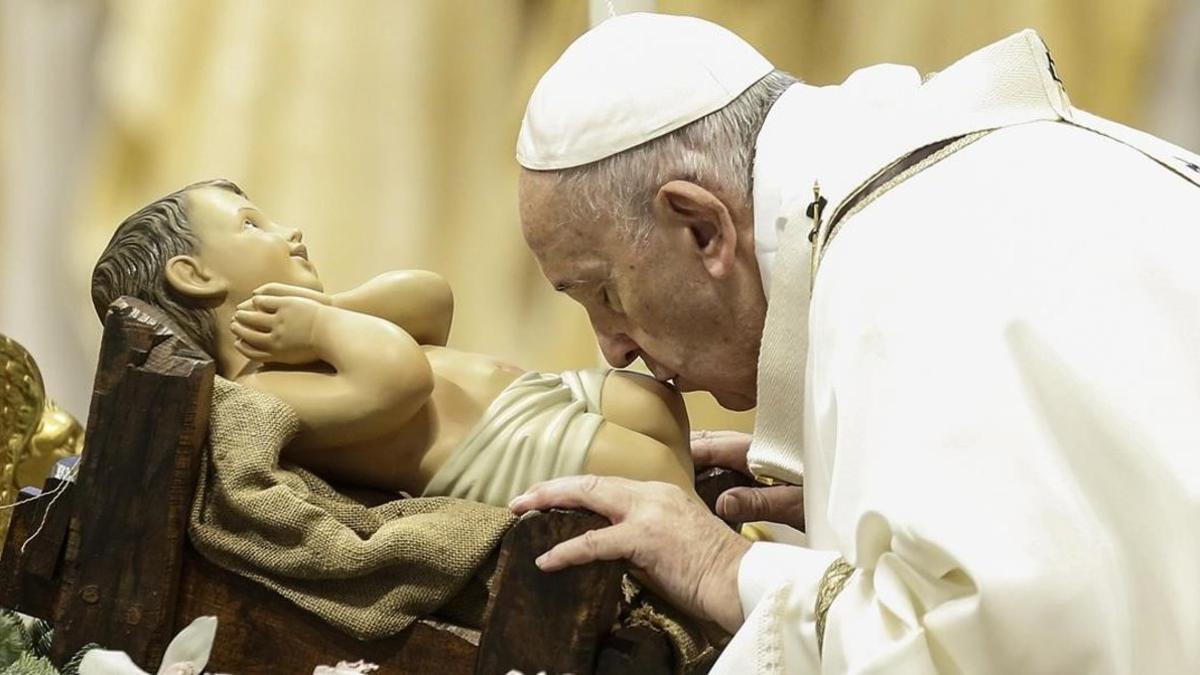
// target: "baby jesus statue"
[[382, 402]]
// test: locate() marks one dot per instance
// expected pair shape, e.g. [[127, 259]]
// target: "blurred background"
[[385, 130]]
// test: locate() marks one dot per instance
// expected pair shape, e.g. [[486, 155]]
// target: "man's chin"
[[728, 400], [735, 402]]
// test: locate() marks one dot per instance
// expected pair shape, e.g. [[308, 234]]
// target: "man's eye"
[[247, 224], [610, 299]]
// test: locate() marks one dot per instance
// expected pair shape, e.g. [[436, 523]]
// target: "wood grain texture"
[[29, 581], [635, 650], [712, 481], [261, 633], [146, 428], [551, 622]]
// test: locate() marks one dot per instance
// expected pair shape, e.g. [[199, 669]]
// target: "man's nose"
[[294, 234], [618, 349]]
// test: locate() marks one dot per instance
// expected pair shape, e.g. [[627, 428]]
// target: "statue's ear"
[[190, 278]]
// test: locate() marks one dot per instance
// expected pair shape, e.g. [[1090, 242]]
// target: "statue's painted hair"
[[135, 260]]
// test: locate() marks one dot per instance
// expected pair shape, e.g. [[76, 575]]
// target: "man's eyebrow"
[[585, 274], [563, 286], [566, 285]]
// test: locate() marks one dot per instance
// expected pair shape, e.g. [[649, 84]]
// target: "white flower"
[[186, 655]]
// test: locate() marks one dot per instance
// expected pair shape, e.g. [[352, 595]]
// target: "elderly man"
[[966, 310]]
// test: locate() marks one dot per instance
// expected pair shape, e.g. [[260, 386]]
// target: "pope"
[[966, 311]]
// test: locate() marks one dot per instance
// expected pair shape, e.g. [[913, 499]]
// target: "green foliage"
[[28, 664], [40, 636], [14, 638], [72, 666], [25, 647]]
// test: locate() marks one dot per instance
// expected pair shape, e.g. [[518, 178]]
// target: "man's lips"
[[300, 251], [681, 384], [671, 380]]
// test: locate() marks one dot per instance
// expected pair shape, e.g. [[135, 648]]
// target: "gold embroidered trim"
[[877, 191], [832, 582]]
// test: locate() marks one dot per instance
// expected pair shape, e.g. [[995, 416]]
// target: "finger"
[[250, 352], [255, 339], [277, 289], [607, 543], [259, 321], [705, 439], [777, 504], [700, 434], [269, 303], [721, 448], [609, 496]]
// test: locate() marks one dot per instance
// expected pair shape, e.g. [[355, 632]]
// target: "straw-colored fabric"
[[696, 646], [367, 571]]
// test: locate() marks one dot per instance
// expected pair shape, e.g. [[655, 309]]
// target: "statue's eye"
[[248, 224]]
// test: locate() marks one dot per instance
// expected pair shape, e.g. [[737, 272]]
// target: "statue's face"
[[244, 247]]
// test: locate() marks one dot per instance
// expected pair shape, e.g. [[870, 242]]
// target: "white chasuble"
[[994, 391]]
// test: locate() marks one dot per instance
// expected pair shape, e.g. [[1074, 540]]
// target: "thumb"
[[778, 504]]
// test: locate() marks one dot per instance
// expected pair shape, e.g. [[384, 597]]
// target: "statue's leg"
[[643, 404], [645, 433], [617, 451]]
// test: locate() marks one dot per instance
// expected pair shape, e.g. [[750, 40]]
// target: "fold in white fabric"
[[1000, 385]]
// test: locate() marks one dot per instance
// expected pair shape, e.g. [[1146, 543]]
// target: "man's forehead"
[[567, 259], [570, 251]]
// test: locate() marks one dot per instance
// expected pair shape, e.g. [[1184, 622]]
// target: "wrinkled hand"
[[277, 329], [680, 549], [778, 503]]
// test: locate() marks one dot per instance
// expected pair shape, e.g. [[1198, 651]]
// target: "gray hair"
[[134, 261], [716, 152]]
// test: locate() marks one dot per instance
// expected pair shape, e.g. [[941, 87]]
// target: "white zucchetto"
[[631, 79]]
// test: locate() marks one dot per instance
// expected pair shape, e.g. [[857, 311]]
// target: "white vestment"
[[999, 373]]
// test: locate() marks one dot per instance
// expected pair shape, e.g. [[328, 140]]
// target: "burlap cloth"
[[369, 571]]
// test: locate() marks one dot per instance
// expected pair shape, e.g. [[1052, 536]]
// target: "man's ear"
[[702, 220], [191, 279]]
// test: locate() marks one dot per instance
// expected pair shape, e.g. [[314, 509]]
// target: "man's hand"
[[277, 329], [778, 504], [690, 557]]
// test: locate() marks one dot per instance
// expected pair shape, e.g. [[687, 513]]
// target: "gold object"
[[34, 432], [832, 582], [755, 532], [770, 481]]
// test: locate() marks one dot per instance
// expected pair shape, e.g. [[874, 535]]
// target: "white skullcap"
[[631, 79]]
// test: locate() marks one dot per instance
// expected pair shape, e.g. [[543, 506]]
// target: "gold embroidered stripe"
[[832, 583]]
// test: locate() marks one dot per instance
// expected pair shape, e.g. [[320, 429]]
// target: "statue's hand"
[[289, 291], [277, 329]]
